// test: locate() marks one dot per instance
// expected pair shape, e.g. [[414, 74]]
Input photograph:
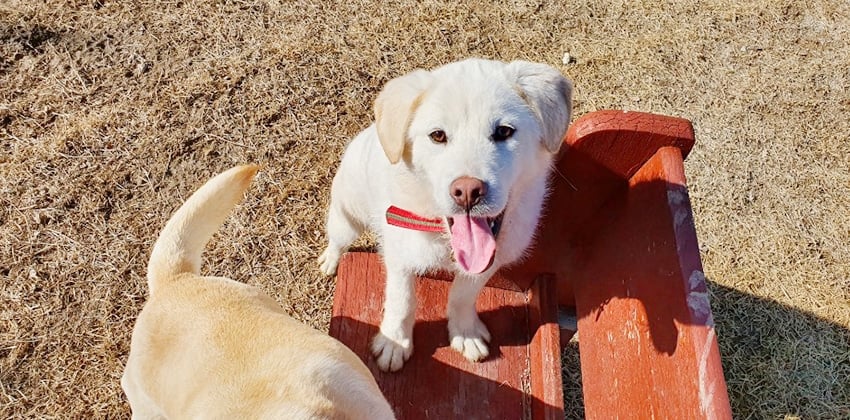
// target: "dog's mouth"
[[473, 240]]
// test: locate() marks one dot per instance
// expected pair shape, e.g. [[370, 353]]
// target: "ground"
[[111, 113]]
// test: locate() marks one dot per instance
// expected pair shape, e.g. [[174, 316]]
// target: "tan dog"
[[211, 347]]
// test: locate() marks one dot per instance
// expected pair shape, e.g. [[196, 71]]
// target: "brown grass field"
[[112, 113]]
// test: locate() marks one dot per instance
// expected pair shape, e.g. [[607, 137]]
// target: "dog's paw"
[[390, 354], [328, 262], [469, 337]]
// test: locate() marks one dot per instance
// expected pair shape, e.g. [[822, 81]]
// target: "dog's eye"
[[438, 136], [503, 132]]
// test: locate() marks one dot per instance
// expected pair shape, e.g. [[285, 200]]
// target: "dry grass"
[[111, 113]]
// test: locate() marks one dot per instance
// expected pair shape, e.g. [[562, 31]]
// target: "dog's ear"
[[394, 109], [549, 94]]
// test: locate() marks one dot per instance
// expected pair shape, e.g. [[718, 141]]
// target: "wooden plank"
[[622, 141], [544, 351], [647, 342], [437, 382]]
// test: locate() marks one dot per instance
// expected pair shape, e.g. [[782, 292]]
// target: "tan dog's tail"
[[182, 240]]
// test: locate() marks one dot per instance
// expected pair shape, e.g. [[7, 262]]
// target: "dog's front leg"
[[467, 334], [394, 343]]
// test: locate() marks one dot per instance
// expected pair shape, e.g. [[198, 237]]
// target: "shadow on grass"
[[766, 345]]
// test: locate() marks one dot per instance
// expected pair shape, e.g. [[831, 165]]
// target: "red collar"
[[408, 220]]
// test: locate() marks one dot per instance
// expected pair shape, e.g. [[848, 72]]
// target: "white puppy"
[[211, 347], [465, 152]]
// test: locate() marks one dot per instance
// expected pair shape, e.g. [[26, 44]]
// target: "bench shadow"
[[765, 345]]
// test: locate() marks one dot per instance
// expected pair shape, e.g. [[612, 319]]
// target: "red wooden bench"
[[617, 246]]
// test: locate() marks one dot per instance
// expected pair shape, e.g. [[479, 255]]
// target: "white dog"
[[452, 175], [211, 347]]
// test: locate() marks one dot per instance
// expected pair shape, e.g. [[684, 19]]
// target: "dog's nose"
[[468, 191]]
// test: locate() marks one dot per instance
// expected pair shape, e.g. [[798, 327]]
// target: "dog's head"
[[473, 131]]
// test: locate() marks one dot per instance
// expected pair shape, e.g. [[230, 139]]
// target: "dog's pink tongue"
[[473, 243]]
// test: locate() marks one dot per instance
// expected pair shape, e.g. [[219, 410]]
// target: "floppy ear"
[[394, 109], [549, 94]]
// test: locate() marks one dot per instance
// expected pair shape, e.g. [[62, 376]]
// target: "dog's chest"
[[421, 251]]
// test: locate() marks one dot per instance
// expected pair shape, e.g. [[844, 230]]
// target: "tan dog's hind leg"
[[142, 406]]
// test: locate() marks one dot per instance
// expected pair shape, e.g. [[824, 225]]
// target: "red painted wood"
[[544, 351], [622, 141], [521, 376], [647, 340]]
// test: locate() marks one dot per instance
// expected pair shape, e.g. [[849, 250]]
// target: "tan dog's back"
[[213, 347]]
